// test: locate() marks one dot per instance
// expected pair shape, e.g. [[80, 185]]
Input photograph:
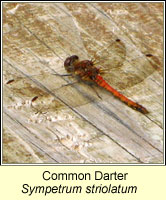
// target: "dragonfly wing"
[[124, 71]]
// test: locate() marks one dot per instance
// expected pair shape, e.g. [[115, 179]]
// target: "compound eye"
[[74, 57], [67, 61]]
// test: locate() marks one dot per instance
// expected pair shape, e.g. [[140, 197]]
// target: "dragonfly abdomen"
[[101, 82]]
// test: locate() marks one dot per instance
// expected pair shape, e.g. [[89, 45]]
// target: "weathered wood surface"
[[71, 124]]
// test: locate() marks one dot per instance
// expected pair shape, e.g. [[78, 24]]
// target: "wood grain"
[[47, 122]]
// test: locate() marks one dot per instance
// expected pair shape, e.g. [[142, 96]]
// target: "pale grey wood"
[[70, 124]]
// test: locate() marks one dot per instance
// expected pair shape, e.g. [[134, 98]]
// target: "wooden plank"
[[53, 123]]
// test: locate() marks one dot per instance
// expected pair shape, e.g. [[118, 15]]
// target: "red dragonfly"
[[87, 71]]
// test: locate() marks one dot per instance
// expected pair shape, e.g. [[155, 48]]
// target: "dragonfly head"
[[69, 62]]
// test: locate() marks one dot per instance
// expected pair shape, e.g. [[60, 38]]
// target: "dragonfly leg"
[[62, 74], [94, 89], [69, 84]]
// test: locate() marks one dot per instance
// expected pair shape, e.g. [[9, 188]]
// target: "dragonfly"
[[88, 71]]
